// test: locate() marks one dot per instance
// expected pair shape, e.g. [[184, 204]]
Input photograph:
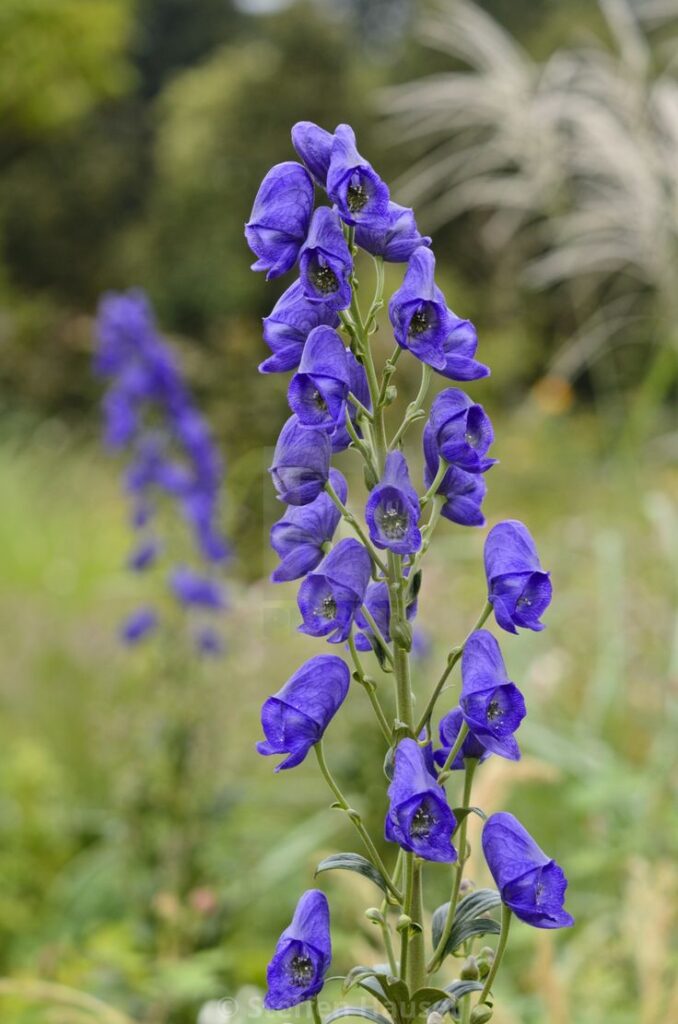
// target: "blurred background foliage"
[[539, 141]]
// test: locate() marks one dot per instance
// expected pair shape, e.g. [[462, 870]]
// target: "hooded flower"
[[288, 326], [296, 717], [459, 431], [299, 537], [280, 217], [302, 956], [352, 183], [301, 463], [460, 347], [378, 605], [318, 392], [138, 625], [492, 705], [449, 728], [464, 492], [419, 818], [396, 236], [325, 262], [530, 883], [314, 146], [518, 589], [392, 510], [191, 588], [330, 596], [418, 311]]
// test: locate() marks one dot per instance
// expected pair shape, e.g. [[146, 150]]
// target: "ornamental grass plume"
[[360, 593]]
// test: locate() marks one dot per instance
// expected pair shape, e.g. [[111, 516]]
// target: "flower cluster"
[[173, 460], [360, 592]]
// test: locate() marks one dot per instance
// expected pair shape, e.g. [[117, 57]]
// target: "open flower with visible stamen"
[[392, 510], [318, 391], [352, 183], [330, 597], [493, 706], [418, 311], [325, 262], [531, 884], [419, 818], [302, 956]]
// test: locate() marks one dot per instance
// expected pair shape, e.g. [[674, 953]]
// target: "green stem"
[[414, 408], [315, 1011], [388, 946], [437, 480], [416, 968], [445, 770], [501, 946], [372, 623], [369, 686], [363, 410], [348, 517], [344, 805], [454, 656], [439, 952], [389, 370]]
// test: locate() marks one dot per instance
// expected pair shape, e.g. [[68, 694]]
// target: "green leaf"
[[357, 1011], [457, 990], [353, 862], [425, 997], [462, 812], [371, 984], [355, 975], [469, 919]]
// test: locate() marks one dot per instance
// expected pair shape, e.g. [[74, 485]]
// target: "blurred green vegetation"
[[89, 813], [148, 857]]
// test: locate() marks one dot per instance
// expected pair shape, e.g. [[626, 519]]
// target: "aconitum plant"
[[360, 594], [173, 468]]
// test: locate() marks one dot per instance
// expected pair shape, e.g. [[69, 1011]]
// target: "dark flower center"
[[421, 823], [393, 522], [327, 608], [420, 322], [494, 711], [523, 602], [318, 401], [356, 195], [301, 970], [324, 279]]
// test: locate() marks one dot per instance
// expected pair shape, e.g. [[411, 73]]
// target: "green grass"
[[91, 817]]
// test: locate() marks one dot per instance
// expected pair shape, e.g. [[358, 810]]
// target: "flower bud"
[[390, 394], [370, 477], [434, 1018], [487, 953], [481, 1014], [374, 915], [402, 634], [483, 968], [466, 887], [404, 922], [469, 970], [389, 762]]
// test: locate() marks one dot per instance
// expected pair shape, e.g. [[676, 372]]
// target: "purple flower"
[[191, 588], [419, 817], [325, 263], [208, 642], [301, 463], [418, 311], [330, 596], [295, 718], [299, 537], [460, 347], [314, 146], [318, 392], [449, 728], [138, 625], [392, 510], [395, 238], [280, 217], [459, 431], [464, 492], [492, 705], [378, 604], [287, 327], [518, 588], [358, 386], [352, 183], [125, 327], [144, 555], [530, 883], [302, 956]]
